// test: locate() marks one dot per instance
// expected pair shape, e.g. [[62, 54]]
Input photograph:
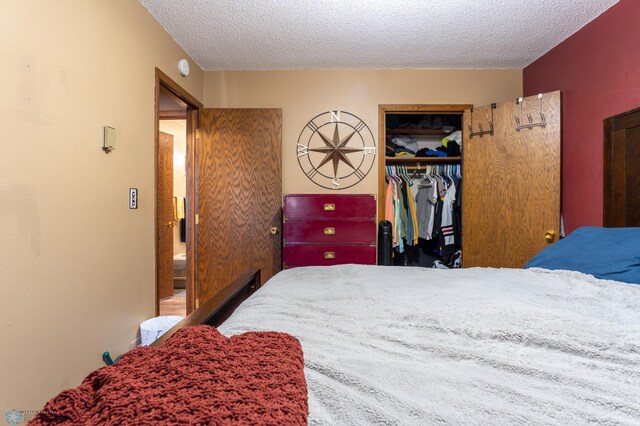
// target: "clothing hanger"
[[427, 180], [449, 173], [393, 173], [389, 174], [396, 177], [405, 174], [438, 174], [400, 174], [425, 175], [429, 175]]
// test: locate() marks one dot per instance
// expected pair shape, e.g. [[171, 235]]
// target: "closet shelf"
[[408, 131], [426, 160]]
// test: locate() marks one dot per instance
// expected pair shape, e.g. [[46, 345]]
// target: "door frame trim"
[[183, 97]]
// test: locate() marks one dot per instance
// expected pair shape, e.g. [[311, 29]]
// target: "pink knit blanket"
[[197, 377]]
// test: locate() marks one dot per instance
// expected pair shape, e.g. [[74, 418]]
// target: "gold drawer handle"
[[550, 236], [329, 254], [330, 207], [329, 231]]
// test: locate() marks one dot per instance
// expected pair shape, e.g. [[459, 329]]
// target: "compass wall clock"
[[336, 150]]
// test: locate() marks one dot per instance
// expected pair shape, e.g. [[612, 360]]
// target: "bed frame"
[[217, 309]]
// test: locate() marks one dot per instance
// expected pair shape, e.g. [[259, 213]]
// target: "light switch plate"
[[133, 198]]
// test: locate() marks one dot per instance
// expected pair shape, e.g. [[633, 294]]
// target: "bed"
[[543, 345], [388, 345], [401, 345]]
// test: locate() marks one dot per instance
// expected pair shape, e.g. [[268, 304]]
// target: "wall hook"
[[531, 124], [482, 132]]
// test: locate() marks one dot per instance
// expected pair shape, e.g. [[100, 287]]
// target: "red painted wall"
[[597, 70]]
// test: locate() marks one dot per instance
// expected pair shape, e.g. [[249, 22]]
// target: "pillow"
[[607, 253]]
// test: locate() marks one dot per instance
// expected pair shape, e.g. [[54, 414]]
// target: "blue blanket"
[[607, 253]]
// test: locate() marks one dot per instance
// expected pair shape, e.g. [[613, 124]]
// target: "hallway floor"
[[175, 305]]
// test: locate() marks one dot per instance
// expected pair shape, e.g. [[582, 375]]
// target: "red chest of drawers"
[[329, 229]]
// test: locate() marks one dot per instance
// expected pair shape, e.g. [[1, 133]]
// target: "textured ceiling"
[[299, 34]]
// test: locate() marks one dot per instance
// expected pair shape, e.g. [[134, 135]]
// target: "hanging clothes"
[[414, 219], [404, 229], [431, 214], [457, 213], [408, 235], [388, 209], [447, 240], [426, 200], [397, 200]]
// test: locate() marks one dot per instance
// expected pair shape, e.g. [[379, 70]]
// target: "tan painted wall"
[[304, 94], [76, 265]]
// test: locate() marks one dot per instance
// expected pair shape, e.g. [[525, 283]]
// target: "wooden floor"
[[175, 305]]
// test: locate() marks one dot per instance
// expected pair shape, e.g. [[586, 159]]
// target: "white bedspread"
[[401, 345]]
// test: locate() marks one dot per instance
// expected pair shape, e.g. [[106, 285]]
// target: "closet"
[[422, 171], [509, 167]]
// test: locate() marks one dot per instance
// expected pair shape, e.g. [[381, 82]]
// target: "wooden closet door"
[[511, 183], [164, 216], [239, 196]]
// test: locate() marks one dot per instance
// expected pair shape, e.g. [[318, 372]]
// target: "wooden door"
[[511, 182], [239, 196], [622, 170], [164, 216]]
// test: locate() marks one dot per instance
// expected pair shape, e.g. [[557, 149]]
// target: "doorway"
[[176, 114], [621, 171], [172, 198]]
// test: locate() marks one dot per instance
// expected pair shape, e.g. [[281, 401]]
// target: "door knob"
[[171, 224], [550, 236], [274, 230]]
